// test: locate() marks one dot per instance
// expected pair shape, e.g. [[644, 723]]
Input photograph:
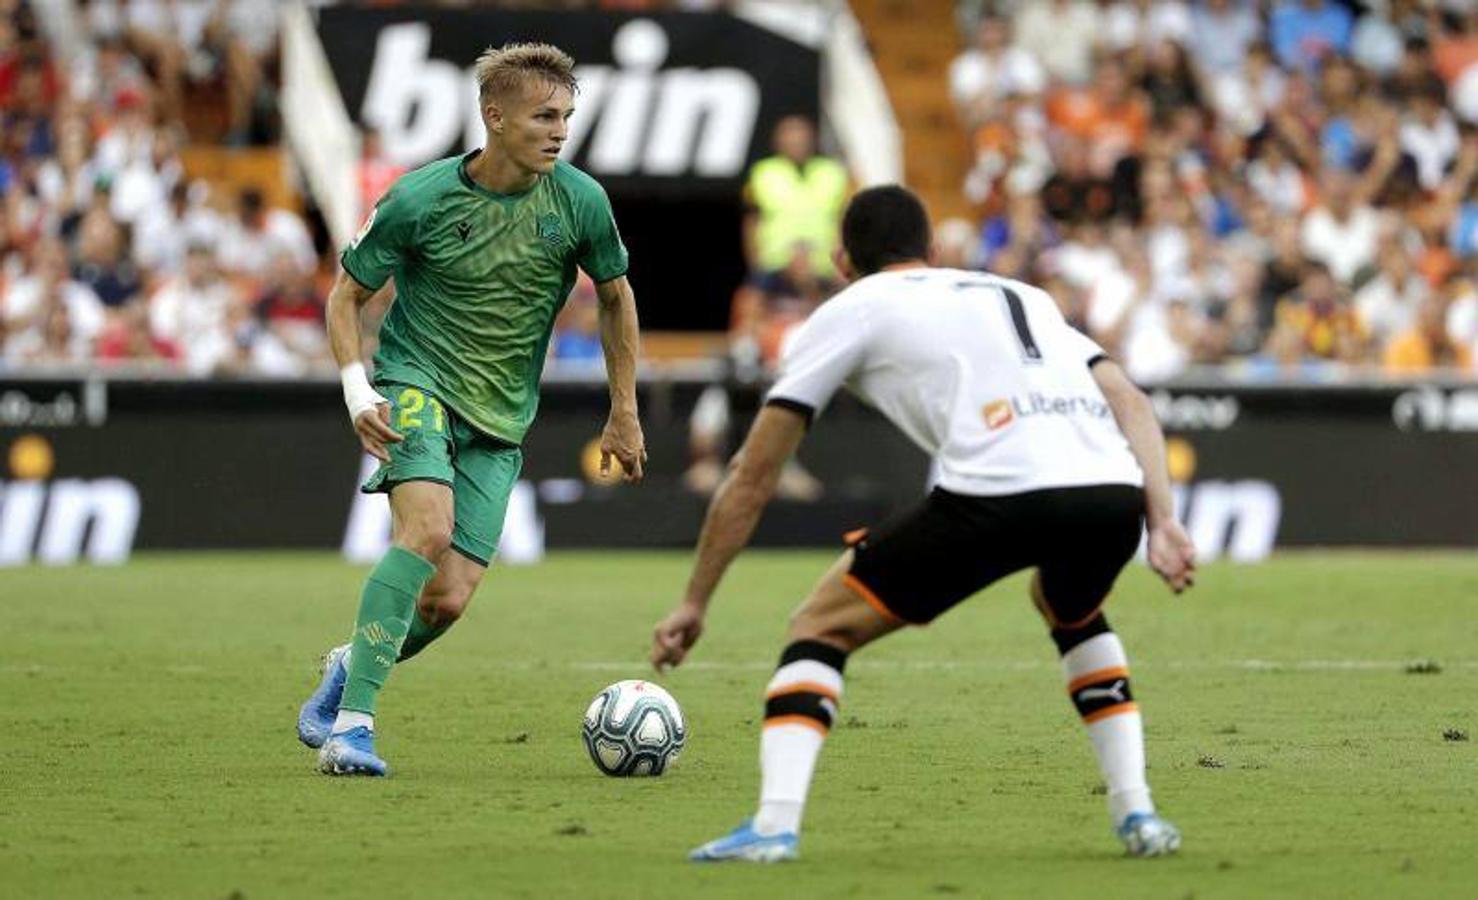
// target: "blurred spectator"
[[1245, 98], [1317, 322], [241, 39], [955, 244], [992, 69], [1429, 135], [1462, 314], [126, 338], [795, 196], [166, 34], [1276, 178], [577, 328], [376, 171], [103, 260], [1343, 231], [1141, 24], [290, 319], [107, 76], [258, 234], [1060, 34], [1427, 345], [1305, 33], [193, 311], [1221, 32], [1377, 43], [1105, 122], [1388, 302], [45, 306], [160, 238], [772, 303]]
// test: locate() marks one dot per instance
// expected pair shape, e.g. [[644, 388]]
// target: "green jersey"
[[479, 277]]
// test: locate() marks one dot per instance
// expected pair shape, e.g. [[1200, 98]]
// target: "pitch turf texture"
[[147, 747]]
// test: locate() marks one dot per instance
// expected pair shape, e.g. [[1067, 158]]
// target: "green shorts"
[[440, 446]]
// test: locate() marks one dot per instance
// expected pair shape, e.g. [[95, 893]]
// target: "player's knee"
[[428, 535], [1069, 636]]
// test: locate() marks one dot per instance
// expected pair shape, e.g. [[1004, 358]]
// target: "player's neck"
[[499, 174], [900, 266]]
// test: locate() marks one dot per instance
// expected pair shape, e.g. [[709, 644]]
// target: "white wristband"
[[358, 395]]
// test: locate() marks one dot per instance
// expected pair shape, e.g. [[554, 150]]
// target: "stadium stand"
[[1275, 190]]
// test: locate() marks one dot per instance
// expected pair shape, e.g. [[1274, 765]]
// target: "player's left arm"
[[732, 516], [619, 339]]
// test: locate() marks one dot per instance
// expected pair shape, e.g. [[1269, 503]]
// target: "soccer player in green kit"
[[483, 249]]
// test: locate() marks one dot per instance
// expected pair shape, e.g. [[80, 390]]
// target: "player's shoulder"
[[577, 182], [425, 183]]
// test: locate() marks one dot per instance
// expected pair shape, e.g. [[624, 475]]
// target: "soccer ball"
[[634, 728]]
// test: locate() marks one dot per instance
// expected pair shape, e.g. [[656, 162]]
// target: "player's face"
[[532, 126]]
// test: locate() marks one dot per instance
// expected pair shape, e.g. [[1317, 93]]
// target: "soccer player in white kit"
[[1049, 458]]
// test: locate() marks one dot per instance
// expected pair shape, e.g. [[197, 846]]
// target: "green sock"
[[419, 636], [385, 612]]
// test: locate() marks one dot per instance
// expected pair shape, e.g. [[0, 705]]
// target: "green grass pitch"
[[147, 746]]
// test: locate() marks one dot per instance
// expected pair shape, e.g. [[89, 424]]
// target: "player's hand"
[[675, 635], [1172, 555], [624, 441], [373, 428]]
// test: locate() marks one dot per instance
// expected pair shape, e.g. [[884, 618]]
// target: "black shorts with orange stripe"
[[916, 567]]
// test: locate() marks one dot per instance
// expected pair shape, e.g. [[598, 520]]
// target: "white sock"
[[791, 741], [1097, 673], [349, 718]]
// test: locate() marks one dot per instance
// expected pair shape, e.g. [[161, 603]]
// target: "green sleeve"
[[383, 242], [602, 255]]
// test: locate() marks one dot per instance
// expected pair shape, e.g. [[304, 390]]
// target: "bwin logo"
[[66, 518], [637, 118], [56, 522]]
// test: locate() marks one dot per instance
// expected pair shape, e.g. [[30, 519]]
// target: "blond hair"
[[502, 70]]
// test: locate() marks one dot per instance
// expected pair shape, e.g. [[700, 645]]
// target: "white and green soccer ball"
[[634, 728]]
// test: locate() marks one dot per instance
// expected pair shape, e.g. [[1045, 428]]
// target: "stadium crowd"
[[1283, 188], [108, 253]]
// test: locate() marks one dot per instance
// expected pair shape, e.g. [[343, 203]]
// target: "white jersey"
[[980, 371]]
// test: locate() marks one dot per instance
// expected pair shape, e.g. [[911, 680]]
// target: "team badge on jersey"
[[464, 230], [548, 228]]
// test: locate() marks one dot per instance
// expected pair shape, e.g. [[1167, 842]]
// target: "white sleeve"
[[824, 353], [1082, 346]]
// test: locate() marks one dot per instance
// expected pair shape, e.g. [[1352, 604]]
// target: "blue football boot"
[[745, 845], [316, 718], [1146, 834], [351, 752]]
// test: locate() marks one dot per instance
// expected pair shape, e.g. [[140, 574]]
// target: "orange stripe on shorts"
[[872, 599]]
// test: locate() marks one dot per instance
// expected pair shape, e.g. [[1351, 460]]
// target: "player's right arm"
[[824, 353], [369, 411], [1171, 553], [382, 245]]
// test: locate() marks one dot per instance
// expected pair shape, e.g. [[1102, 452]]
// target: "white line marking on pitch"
[[889, 665]]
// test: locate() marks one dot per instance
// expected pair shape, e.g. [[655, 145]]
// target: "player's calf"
[[1097, 672], [442, 601], [800, 706]]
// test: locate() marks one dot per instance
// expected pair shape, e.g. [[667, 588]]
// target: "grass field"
[[147, 749]]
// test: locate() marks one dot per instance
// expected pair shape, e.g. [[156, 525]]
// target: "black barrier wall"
[[95, 469]]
